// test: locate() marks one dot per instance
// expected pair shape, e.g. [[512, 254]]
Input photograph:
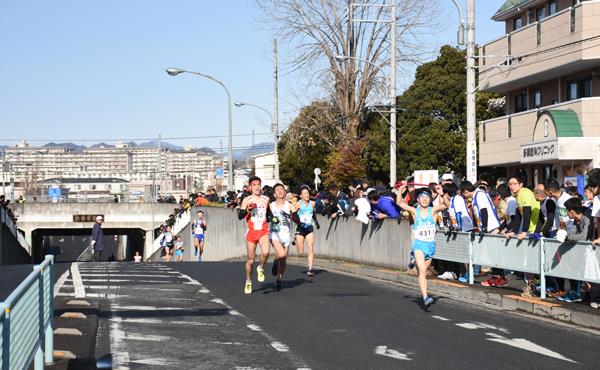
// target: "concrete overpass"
[[35, 219]]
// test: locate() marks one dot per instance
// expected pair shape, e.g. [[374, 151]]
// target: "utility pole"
[[393, 97], [276, 108], [471, 107], [159, 165]]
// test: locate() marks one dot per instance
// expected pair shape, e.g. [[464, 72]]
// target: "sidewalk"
[[507, 298]]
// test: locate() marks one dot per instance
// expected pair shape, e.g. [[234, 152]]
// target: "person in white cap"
[[97, 239]]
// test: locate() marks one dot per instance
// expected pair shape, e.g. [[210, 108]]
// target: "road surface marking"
[[147, 338], [153, 361], [219, 301], [203, 291], [120, 359], [146, 308], [527, 346], [77, 283], [60, 282], [128, 275], [384, 351], [470, 326], [235, 313], [162, 322], [493, 327], [440, 318], [280, 347], [254, 327]]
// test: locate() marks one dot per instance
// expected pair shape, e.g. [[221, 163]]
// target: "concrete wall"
[[11, 249], [384, 244]]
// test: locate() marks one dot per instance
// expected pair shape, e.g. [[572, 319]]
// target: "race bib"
[[306, 219], [425, 233], [198, 229], [258, 217]]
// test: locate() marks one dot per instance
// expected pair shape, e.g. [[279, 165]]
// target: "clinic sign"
[[539, 152]]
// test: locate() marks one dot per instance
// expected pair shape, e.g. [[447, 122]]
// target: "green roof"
[[565, 121], [509, 4]]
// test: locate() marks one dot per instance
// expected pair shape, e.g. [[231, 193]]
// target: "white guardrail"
[[546, 257], [27, 321]]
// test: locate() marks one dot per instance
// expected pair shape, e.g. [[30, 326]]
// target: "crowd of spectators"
[[5, 204]]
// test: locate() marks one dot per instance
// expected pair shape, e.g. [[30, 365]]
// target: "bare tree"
[[317, 31]]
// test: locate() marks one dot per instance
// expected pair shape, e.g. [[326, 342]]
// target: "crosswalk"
[[159, 318]]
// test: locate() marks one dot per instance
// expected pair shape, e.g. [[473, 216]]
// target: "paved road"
[[334, 321]]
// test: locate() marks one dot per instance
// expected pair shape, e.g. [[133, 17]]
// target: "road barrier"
[[27, 321]]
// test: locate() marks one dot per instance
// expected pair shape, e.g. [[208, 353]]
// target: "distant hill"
[[163, 144], [244, 154], [64, 145]]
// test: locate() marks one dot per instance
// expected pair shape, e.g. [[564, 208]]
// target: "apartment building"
[[548, 67], [176, 171]]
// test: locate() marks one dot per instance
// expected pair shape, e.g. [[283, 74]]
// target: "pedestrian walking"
[[97, 239]]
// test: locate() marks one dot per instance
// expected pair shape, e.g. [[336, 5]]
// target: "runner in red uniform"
[[254, 209]]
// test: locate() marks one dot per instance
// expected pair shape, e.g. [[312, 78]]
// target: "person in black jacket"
[[97, 239]]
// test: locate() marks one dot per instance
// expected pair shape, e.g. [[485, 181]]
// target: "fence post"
[[5, 337], [49, 335], [471, 246], [543, 268]]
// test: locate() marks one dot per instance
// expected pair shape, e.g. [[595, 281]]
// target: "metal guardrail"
[[27, 321], [546, 257]]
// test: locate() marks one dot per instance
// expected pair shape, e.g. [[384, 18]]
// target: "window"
[[517, 23], [552, 7], [579, 89], [521, 102], [537, 98], [540, 13]]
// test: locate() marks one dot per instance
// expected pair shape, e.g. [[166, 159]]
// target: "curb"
[[511, 302]]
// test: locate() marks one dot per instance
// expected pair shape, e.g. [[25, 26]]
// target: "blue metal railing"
[[27, 321]]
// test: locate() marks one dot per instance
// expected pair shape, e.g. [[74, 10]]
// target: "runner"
[[167, 244], [280, 232], [424, 228], [304, 215], [179, 249], [254, 209], [199, 229]]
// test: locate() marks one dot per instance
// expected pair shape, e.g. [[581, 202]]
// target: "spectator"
[[563, 222], [137, 257], [361, 207], [340, 203], [20, 200], [546, 225], [383, 206], [528, 208], [484, 211], [507, 220], [97, 239]]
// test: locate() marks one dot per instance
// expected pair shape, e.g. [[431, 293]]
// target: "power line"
[[140, 139]]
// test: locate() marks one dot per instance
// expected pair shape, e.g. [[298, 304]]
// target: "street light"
[[393, 110], [274, 129], [177, 71]]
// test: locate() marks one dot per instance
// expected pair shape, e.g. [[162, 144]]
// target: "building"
[[174, 172], [85, 189], [548, 67], [264, 167]]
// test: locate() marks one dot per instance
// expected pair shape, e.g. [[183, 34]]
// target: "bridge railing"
[[12, 227], [27, 321]]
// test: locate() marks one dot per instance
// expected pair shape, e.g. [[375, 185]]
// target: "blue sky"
[[93, 70]]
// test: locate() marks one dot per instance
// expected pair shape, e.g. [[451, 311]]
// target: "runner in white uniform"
[[199, 229], [280, 231]]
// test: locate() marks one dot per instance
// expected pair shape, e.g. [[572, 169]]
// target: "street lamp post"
[[274, 129], [175, 72]]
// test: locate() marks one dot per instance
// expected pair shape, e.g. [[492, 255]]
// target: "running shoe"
[[572, 297], [464, 278], [274, 268], [260, 274], [562, 297], [594, 305], [248, 287], [427, 301], [489, 282], [411, 264], [278, 285], [310, 273], [448, 275], [500, 282]]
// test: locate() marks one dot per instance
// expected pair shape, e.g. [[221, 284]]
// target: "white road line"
[[154, 361], [120, 359], [440, 318], [219, 301], [527, 346], [146, 308], [235, 313], [470, 326], [203, 291], [384, 351], [162, 322], [280, 347], [254, 327], [77, 283], [60, 282], [128, 275], [147, 337]]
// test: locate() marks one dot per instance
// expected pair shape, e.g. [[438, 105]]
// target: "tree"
[[317, 31], [346, 164], [308, 142], [432, 123]]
